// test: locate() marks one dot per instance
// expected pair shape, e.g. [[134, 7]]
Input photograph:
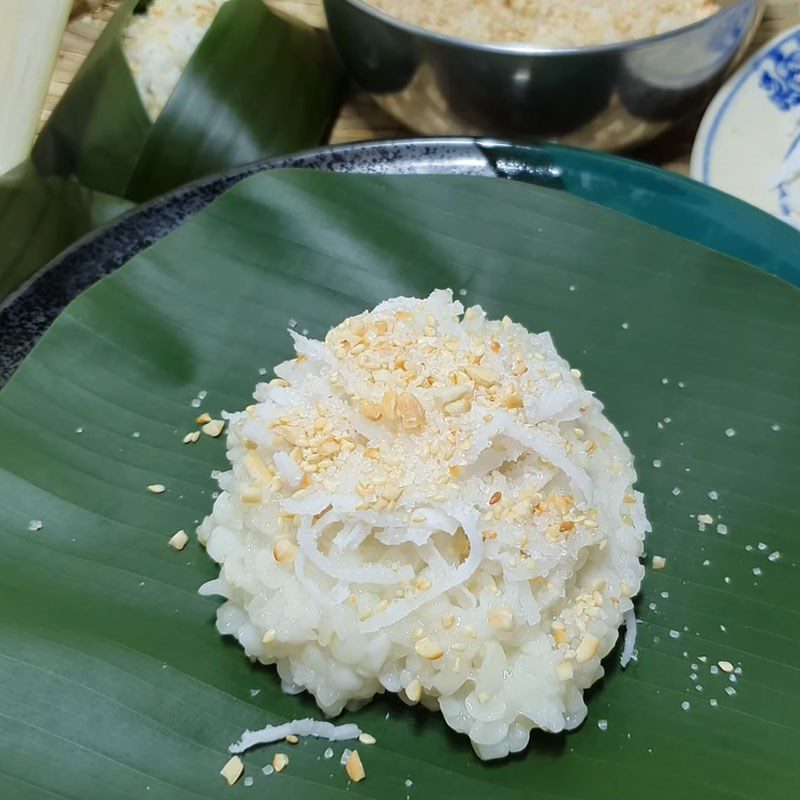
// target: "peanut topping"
[[410, 411]]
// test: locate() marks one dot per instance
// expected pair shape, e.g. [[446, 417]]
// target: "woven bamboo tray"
[[360, 117]]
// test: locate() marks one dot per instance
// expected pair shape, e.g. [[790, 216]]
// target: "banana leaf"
[[40, 216], [259, 84], [115, 683]]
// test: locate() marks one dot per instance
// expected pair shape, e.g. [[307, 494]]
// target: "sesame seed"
[[192, 437], [292, 739], [156, 488], [367, 738], [725, 666]]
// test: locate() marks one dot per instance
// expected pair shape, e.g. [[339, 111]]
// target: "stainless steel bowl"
[[607, 97]]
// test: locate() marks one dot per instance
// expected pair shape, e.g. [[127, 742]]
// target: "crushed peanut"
[[232, 770], [280, 761], [354, 768], [179, 540], [213, 428], [414, 691]]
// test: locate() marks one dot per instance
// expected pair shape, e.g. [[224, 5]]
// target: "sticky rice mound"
[[429, 502]]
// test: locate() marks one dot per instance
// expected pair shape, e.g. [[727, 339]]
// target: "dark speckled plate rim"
[[29, 312]]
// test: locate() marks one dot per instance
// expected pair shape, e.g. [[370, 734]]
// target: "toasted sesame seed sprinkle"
[[367, 738], [156, 488], [726, 666]]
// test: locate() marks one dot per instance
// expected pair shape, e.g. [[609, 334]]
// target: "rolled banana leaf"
[[258, 85]]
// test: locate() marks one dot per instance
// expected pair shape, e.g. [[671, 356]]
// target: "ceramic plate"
[[749, 141]]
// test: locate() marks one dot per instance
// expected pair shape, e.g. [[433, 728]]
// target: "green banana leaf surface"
[[40, 216], [114, 681]]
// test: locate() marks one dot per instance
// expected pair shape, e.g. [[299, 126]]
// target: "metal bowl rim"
[[534, 50]]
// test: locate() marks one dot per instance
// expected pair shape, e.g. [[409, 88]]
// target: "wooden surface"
[[361, 118]]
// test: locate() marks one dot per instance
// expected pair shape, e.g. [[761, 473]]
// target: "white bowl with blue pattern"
[[749, 141]]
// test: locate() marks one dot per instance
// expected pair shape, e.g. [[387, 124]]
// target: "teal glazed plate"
[[679, 306]]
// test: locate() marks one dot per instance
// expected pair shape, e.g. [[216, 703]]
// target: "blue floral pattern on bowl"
[[781, 75]]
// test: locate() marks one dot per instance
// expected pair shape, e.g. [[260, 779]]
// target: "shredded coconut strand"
[[297, 727], [629, 617]]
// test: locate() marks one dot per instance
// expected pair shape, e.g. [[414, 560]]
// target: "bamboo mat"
[[360, 117]]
